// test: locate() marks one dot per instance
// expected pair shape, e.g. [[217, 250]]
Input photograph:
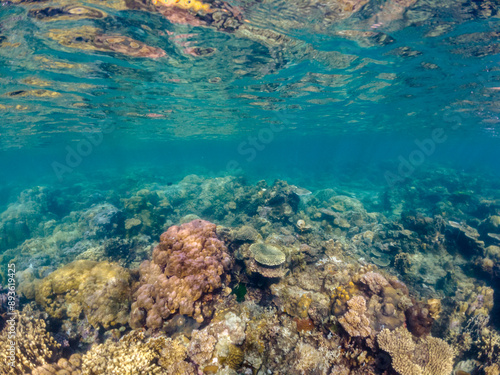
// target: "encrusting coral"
[[219, 343], [387, 303], [374, 281], [429, 356], [101, 290], [188, 263], [34, 346]]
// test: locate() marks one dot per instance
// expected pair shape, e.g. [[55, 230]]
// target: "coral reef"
[[375, 282], [23, 219], [317, 279], [146, 211], [267, 255], [478, 337], [104, 220], [188, 264]]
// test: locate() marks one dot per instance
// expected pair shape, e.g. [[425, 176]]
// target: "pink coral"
[[354, 320], [374, 281], [187, 264]]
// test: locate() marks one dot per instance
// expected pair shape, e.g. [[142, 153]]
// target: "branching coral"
[[101, 290], [136, 355], [489, 346], [311, 360], [188, 263], [34, 346], [430, 356]]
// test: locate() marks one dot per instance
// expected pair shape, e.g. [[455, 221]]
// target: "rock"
[[105, 220]]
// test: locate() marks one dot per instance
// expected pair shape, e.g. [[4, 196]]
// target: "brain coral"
[[187, 264], [102, 291], [430, 356]]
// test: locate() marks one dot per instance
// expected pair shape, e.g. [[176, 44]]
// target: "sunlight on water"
[[249, 187]]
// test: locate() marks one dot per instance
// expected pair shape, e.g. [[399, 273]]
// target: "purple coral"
[[188, 263]]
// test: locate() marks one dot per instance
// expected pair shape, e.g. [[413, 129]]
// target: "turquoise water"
[[120, 119]]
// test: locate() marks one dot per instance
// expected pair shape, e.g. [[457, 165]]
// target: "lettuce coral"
[[188, 263]]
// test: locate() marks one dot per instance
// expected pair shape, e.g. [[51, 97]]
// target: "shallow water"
[[121, 119]]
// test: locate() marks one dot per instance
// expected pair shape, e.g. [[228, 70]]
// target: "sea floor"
[[131, 273]]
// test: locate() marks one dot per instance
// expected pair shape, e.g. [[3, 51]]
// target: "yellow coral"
[[35, 346], [101, 290], [62, 367], [433, 305], [235, 357], [341, 295], [303, 306], [494, 369]]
